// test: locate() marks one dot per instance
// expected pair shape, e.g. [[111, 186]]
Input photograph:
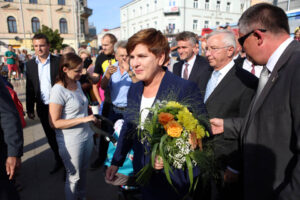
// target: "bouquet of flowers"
[[175, 135]]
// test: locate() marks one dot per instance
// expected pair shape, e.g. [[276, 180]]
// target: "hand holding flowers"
[[175, 137]]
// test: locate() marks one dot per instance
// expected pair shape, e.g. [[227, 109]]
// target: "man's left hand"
[[12, 164]]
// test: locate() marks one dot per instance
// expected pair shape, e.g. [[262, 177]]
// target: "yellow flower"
[[186, 118], [174, 104], [200, 132], [164, 118], [174, 129]]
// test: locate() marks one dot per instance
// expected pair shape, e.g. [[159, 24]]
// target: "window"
[[217, 23], [171, 28], [141, 27], [9, 0], [12, 24], [218, 5], [155, 24], [195, 3], [141, 10], [133, 11], [82, 26], [206, 24], [155, 1], [35, 24], [147, 25], [63, 26], [206, 4], [61, 2], [195, 24], [33, 1], [228, 7], [147, 7]]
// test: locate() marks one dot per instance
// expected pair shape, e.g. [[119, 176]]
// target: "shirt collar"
[[235, 57], [191, 61], [277, 53], [37, 60], [227, 67]]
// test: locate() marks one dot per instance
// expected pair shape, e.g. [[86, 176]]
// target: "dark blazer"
[[230, 99], [11, 134], [270, 134], [33, 92], [199, 74], [171, 88]]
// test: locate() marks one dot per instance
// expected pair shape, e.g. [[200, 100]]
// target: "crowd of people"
[[246, 85]]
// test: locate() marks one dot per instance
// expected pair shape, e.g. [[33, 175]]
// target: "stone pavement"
[[38, 160]]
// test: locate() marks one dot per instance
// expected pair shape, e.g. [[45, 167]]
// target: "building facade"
[[174, 16], [20, 19]]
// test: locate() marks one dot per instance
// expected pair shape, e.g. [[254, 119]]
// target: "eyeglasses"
[[243, 38], [214, 49]]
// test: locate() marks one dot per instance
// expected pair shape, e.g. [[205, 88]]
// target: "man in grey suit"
[[270, 132], [11, 144], [191, 66]]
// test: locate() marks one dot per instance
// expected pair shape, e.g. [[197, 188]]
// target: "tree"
[[56, 42]]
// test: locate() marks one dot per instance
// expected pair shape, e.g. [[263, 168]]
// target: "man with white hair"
[[228, 93]]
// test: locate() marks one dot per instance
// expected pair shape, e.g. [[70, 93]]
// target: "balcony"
[[86, 12], [171, 11]]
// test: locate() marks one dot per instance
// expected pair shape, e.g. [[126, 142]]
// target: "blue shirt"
[[119, 85], [44, 78]]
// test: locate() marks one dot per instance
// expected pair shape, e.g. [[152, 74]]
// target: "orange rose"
[[164, 118], [174, 129]]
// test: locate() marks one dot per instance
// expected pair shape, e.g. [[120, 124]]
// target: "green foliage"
[[56, 42]]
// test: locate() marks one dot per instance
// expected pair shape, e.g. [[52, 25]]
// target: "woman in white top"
[[68, 115], [149, 50]]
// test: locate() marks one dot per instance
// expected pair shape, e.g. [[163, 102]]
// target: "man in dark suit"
[[11, 144], [228, 93], [192, 66], [270, 133], [40, 77]]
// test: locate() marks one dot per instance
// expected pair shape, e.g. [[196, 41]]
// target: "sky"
[[106, 13]]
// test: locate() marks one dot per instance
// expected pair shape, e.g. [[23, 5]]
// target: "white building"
[[114, 31], [173, 16]]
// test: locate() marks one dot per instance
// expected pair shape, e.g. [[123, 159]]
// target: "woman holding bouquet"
[[148, 50]]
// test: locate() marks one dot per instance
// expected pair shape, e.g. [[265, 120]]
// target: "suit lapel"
[[179, 69], [35, 74], [271, 81], [220, 87], [195, 70], [273, 78]]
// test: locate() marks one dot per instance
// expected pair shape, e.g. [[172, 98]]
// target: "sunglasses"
[[243, 38]]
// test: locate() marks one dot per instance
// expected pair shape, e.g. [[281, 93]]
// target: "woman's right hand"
[[90, 118], [111, 172], [158, 163]]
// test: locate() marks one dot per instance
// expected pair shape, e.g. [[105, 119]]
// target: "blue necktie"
[[211, 85]]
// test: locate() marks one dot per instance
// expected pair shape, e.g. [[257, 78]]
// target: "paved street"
[[38, 160]]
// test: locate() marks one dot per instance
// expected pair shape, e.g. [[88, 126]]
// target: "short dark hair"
[[156, 42], [70, 61], [187, 35], [264, 16], [112, 38], [39, 36]]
